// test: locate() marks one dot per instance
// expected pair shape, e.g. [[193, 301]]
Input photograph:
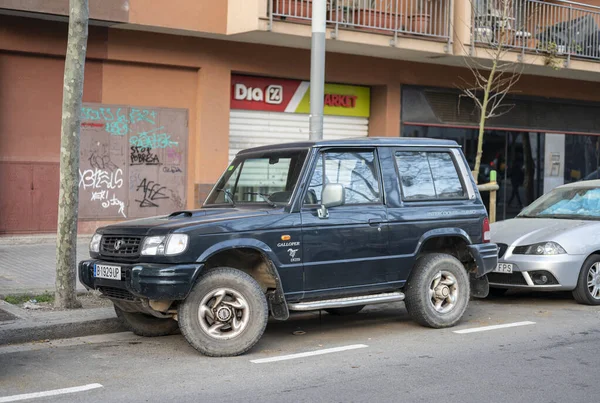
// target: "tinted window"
[[428, 175], [356, 170]]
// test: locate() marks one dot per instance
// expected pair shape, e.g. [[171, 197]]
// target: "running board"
[[349, 301]]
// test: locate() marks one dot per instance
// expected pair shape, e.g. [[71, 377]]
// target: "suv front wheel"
[[225, 314], [437, 291]]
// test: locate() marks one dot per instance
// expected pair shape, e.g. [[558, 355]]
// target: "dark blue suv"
[[331, 225]]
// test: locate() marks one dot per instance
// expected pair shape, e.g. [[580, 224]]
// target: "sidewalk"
[[28, 264], [18, 325]]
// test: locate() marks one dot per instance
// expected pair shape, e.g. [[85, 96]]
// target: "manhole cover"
[[4, 316]]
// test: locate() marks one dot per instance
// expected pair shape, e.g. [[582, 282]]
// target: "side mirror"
[[333, 195]]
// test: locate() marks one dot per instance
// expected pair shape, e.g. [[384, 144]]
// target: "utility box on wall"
[[132, 161]]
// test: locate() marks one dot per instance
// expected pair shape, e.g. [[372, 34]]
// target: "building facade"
[[173, 91]]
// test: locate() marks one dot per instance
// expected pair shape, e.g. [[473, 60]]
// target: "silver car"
[[554, 244]]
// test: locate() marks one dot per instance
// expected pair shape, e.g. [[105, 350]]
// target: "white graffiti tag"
[[101, 195], [115, 202], [100, 179]]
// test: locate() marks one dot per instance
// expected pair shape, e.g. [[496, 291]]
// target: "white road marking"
[[486, 328], [74, 341], [47, 393], [308, 354]]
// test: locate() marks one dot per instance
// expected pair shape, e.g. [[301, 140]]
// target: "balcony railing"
[[425, 18], [558, 29]]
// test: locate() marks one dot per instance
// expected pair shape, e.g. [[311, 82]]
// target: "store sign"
[[293, 96]]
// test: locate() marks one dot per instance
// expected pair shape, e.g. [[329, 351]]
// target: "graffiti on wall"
[[132, 161]]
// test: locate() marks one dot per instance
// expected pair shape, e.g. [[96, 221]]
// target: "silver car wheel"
[[443, 292], [224, 313], [593, 280]]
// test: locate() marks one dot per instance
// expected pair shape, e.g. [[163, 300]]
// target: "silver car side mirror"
[[333, 195]]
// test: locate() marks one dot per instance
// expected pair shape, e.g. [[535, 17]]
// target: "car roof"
[[595, 183], [361, 142]]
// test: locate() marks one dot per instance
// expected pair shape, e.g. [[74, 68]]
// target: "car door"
[[342, 253]]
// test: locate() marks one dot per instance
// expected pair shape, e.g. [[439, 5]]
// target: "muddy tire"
[[225, 314], [348, 310], [147, 325], [588, 285], [437, 291]]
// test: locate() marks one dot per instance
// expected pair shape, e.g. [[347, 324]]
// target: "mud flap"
[[480, 287]]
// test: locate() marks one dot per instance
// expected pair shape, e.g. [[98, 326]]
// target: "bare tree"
[[66, 243], [495, 24]]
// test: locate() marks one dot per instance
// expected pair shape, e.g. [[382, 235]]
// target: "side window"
[[355, 170], [428, 175]]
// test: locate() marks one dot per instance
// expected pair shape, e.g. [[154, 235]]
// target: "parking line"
[[308, 354], [47, 393], [486, 328]]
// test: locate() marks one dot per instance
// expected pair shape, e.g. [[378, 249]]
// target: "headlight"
[[95, 243], [543, 248], [176, 244], [153, 245]]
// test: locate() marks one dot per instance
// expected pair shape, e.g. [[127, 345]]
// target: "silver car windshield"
[[569, 202]]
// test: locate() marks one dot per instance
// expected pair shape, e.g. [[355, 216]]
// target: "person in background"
[[517, 177]]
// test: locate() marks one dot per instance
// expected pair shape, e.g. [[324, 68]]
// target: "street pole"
[[317, 69]]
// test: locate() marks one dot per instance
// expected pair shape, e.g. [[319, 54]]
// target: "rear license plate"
[[504, 268], [106, 271]]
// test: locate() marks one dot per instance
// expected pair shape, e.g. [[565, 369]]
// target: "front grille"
[[117, 293], [515, 278], [502, 247], [120, 246]]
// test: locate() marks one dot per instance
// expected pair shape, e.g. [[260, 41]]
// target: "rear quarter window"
[[428, 175]]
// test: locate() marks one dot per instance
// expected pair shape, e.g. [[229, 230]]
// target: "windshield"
[[267, 178], [570, 202]]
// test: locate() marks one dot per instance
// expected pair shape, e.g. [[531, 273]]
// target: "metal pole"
[[317, 69]]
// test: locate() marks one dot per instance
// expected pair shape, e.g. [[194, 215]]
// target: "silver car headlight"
[[176, 244], [542, 248], [153, 245], [95, 243]]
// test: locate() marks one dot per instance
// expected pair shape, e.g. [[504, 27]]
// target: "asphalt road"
[[555, 359]]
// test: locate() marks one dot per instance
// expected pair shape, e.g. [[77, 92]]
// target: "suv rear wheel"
[[437, 291], [225, 314]]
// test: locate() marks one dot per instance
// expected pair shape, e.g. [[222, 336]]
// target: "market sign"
[[293, 96]]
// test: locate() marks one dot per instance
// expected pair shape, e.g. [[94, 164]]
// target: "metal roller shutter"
[[259, 128]]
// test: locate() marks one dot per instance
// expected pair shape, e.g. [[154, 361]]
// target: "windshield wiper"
[[264, 196]]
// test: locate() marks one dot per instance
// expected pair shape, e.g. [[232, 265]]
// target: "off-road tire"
[[418, 303], [244, 284], [497, 292], [581, 293], [147, 325], [348, 310]]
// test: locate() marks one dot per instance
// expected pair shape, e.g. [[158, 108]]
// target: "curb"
[[36, 326]]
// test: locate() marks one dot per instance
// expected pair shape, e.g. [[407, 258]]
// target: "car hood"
[[184, 219], [528, 231]]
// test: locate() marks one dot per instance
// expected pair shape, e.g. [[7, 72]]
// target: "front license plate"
[[504, 268], [106, 271]]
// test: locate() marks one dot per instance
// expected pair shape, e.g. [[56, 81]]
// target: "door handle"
[[375, 222]]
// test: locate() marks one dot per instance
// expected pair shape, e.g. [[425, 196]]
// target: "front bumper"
[[486, 257], [143, 280], [563, 271]]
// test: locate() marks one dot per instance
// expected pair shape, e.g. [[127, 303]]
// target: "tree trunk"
[[68, 199]]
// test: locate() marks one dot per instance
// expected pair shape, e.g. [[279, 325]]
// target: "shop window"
[[428, 175]]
